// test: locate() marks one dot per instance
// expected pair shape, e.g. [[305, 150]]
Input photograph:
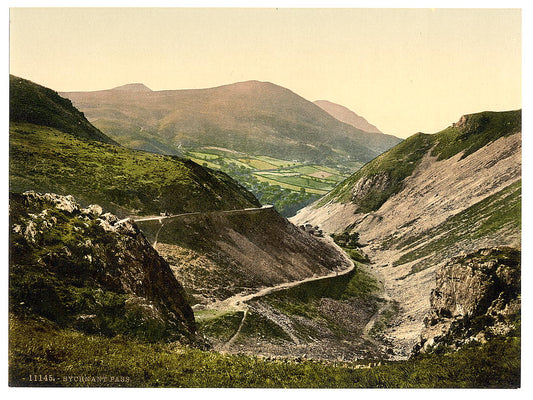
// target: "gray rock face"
[[476, 296], [60, 252], [445, 207], [64, 203], [379, 183]]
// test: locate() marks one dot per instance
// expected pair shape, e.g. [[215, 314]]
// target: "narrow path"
[[157, 233], [371, 322], [385, 296], [279, 319], [230, 342], [236, 302]]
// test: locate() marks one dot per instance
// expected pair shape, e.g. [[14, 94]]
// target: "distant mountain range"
[[376, 139], [252, 117]]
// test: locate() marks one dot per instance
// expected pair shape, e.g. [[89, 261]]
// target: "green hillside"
[[121, 180], [253, 131], [35, 104], [53, 148], [390, 169]]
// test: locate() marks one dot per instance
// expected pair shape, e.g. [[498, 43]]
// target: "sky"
[[404, 70]]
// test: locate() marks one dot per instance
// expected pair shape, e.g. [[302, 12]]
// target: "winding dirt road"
[[238, 301]]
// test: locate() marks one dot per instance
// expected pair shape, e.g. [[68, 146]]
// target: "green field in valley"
[[288, 184]]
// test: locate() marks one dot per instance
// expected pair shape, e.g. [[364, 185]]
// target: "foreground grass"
[[38, 349]]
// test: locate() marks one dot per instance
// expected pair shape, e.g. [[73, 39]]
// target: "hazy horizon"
[[404, 70]]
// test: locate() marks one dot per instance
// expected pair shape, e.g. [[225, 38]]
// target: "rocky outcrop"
[[477, 296], [83, 269]]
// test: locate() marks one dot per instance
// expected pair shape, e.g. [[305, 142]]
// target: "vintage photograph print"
[[265, 197]]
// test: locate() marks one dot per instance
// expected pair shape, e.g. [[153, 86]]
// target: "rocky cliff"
[[82, 269], [425, 201], [476, 297]]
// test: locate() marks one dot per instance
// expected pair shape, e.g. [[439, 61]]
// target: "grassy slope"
[[35, 104], [331, 310], [130, 136], [398, 163], [39, 347], [120, 179], [356, 289], [354, 284]]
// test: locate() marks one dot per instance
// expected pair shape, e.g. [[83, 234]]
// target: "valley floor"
[[337, 314], [336, 317]]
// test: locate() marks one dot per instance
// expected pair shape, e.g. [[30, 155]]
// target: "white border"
[[524, 392]]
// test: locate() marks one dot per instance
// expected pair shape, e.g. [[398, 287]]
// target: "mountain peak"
[[347, 116], [252, 83], [133, 87], [251, 86], [256, 115]]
